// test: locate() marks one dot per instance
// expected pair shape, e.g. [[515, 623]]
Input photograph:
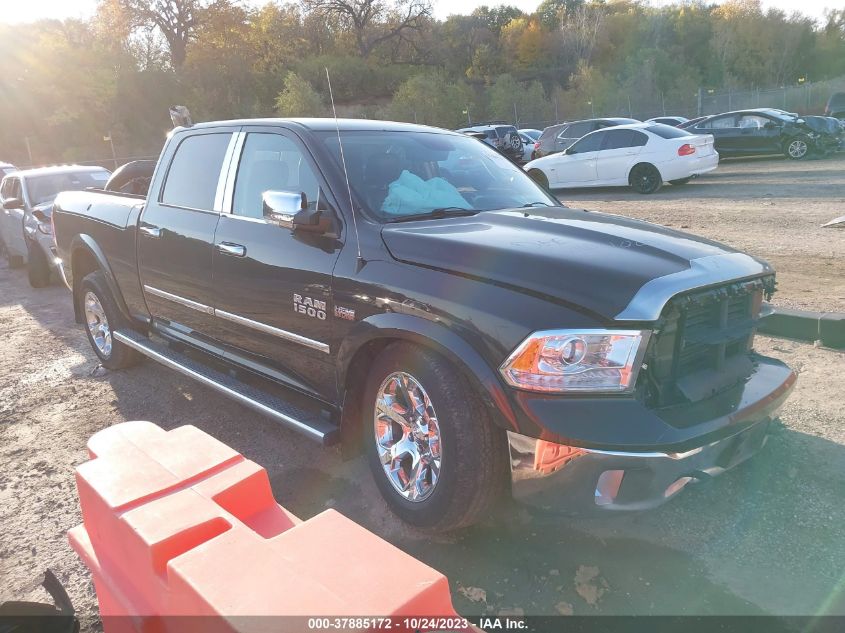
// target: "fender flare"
[[421, 331], [87, 243]]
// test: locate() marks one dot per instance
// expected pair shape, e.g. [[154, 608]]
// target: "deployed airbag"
[[410, 194]]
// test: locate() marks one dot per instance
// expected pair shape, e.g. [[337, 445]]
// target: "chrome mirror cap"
[[281, 206]]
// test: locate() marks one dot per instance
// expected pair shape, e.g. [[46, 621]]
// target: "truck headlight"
[[562, 361]]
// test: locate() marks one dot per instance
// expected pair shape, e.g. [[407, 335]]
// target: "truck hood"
[[617, 268]]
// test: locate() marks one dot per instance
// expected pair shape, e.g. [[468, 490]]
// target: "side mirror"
[[770, 125], [13, 203], [279, 207], [290, 210]]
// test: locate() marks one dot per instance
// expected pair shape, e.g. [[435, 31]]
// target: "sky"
[[17, 11]]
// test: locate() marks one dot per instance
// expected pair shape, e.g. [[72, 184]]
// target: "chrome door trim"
[[273, 331], [223, 177], [652, 297], [188, 303], [232, 172]]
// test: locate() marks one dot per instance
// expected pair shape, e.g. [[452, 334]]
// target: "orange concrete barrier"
[[176, 523]]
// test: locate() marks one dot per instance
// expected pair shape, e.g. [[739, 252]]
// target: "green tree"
[[299, 99], [432, 99]]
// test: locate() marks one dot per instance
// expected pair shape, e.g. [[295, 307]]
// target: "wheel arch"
[[373, 334], [86, 257]]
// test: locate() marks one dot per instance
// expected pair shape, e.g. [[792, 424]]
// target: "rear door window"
[[194, 172], [591, 143], [719, 123], [577, 130], [618, 139]]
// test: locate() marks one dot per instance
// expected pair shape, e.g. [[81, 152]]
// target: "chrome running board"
[[310, 424]]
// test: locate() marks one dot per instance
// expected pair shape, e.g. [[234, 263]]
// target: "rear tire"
[[442, 425], [645, 178], [681, 181], [38, 268], [102, 318]]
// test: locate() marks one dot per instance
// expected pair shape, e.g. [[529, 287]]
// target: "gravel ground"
[[764, 538]]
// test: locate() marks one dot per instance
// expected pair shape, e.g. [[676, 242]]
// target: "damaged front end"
[[704, 395]]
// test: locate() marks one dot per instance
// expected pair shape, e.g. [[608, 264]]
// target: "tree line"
[[68, 87]]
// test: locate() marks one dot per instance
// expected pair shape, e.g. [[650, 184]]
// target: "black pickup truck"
[[409, 292]]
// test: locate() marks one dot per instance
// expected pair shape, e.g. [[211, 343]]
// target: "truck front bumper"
[[572, 479]]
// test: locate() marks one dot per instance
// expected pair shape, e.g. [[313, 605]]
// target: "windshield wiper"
[[534, 204], [441, 212]]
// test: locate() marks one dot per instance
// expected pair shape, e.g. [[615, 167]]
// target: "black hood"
[[591, 261]]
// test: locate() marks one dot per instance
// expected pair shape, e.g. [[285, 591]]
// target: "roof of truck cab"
[[326, 125]]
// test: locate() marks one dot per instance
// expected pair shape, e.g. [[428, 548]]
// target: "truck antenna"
[[361, 260]]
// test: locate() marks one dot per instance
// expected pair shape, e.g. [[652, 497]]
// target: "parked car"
[[531, 133], [27, 200], [528, 145], [691, 122], [836, 105], [642, 156], [502, 136], [759, 131], [557, 138], [530, 137], [457, 324], [674, 121], [6, 169]]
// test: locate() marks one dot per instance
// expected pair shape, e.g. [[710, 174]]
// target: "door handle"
[[235, 250], [151, 231]]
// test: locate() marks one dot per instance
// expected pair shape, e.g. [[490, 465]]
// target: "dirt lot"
[[765, 538], [770, 208]]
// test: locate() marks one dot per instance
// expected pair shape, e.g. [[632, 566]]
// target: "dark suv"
[[557, 138], [501, 136]]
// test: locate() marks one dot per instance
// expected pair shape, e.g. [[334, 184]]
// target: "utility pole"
[[700, 99], [515, 117], [29, 151], [113, 154]]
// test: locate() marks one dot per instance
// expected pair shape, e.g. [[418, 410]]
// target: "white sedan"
[[640, 155]]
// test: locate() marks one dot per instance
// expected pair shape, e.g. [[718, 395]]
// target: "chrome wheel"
[[407, 436], [797, 148], [98, 324]]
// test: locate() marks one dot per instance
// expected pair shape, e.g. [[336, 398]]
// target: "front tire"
[[796, 148], [102, 317], [645, 178], [435, 455], [38, 268]]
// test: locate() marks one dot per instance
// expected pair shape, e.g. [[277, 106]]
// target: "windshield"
[[399, 174], [41, 189]]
